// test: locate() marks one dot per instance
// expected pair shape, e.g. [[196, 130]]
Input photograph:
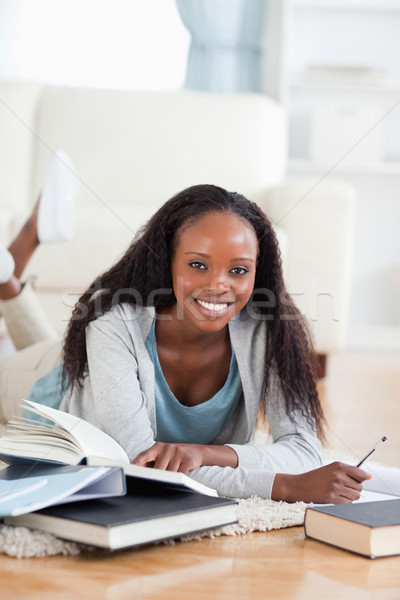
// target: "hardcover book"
[[368, 528], [133, 519]]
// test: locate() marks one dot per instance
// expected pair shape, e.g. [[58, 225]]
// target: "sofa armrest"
[[319, 220]]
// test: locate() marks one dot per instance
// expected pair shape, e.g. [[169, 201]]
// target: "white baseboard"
[[373, 337]]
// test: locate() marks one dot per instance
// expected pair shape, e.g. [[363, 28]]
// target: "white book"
[[69, 440], [24, 488]]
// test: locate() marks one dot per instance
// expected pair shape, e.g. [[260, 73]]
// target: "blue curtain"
[[225, 51]]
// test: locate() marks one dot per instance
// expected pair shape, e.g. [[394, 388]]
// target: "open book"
[[64, 439]]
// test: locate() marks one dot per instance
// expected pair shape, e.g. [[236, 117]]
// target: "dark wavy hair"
[[146, 267]]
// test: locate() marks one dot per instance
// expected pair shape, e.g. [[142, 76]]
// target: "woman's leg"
[[19, 372], [25, 244], [50, 221], [27, 323], [26, 320]]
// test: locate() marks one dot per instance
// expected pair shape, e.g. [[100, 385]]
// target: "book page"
[[368, 496], [385, 480], [91, 440]]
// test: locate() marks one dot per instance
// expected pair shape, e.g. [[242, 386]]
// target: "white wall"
[[130, 44]]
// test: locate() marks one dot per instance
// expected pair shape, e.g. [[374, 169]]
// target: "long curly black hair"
[[146, 267]]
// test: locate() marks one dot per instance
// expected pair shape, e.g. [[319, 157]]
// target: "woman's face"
[[213, 270]]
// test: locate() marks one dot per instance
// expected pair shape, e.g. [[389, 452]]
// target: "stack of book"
[[67, 477]]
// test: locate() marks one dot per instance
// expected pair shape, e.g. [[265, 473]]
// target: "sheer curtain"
[[225, 52]]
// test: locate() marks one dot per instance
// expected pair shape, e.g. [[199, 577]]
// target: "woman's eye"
[[195, 264], [239, 271]]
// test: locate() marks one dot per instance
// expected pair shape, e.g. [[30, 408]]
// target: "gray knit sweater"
[[118, 397]]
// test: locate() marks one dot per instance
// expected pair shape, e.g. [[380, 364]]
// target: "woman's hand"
[[336, 483], [185, 457], [171, 457]]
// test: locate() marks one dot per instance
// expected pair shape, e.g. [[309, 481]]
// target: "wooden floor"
[[362, 401]]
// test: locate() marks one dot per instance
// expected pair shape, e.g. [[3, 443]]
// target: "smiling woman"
[[174, 350]]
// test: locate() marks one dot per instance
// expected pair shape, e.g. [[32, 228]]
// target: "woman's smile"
[[213, 307]]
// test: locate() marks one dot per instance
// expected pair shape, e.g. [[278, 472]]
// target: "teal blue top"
[[47, 390], [198, 424]]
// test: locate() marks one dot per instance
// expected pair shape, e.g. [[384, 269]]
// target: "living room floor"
[[361, 401]]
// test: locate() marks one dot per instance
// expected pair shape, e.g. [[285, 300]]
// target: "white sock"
[[7, 265], [56, 206]]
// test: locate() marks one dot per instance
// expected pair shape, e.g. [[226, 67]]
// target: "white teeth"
[[215, 307]]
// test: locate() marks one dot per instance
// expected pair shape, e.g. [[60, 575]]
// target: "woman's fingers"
[[164, 459], [168, 457], [147, 457], [175, 462], [176, 457], [351, 492], [353, 483], [347, 482], [171, 457], [357, 474]]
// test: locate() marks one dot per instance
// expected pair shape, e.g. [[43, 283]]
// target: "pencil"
[[383, 439]]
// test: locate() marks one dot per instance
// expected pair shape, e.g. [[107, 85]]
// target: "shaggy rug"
[[254, 514]]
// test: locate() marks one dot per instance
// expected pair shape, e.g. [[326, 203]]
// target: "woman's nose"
[[218, 284]]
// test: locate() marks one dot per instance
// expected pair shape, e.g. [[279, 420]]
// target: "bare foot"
[[25, 243]]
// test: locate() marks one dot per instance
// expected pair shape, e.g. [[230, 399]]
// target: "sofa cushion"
[[139, 148]]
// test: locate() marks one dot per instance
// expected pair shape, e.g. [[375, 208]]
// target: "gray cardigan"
[[118, 397]]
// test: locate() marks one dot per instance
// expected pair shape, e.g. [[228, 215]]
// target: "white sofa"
[[133, 150]]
